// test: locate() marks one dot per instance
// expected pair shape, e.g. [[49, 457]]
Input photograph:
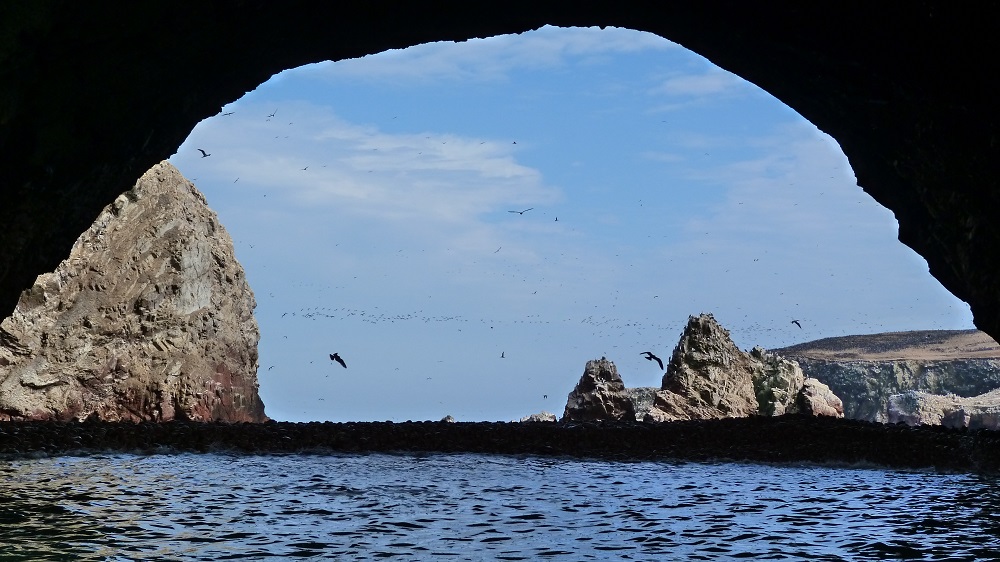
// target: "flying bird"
[[203, 153], [336, 357], [502, 352], [230, 113], [272, 113], [650, 357], [520, 212], [796, 322]]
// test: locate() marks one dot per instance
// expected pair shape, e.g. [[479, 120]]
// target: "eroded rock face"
[[866, 370], [150, 318], [777, 383], [707, 377], [921, 408], [817, 399], [642, 398], [600, 395]]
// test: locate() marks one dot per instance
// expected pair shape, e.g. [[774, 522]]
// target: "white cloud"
[[494, 58], [359, 170], [712, 82]]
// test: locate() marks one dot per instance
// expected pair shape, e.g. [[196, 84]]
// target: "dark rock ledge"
[[781, 439]]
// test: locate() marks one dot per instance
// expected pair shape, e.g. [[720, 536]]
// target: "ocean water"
[[482, 507]]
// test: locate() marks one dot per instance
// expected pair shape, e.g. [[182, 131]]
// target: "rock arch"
[[91, 96]]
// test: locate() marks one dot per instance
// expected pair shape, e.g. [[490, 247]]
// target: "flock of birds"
[[346, 314]]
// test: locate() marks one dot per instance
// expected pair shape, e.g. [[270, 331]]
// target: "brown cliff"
[[149, 318]]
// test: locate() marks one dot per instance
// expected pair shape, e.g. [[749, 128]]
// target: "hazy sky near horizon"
[[370, 202]]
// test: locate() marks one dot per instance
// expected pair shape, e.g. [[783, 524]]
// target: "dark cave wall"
[[92, 95]]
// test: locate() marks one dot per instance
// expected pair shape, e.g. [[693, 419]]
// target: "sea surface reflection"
[[481, 507]]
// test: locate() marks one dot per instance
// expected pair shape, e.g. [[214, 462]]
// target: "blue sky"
[[372, 214]]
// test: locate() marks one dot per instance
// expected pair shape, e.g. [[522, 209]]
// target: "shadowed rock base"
[[781, 439]]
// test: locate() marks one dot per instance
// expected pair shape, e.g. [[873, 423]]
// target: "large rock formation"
[[865, 371], [921, 408], [149, 318], [600, 395], [707, 377]]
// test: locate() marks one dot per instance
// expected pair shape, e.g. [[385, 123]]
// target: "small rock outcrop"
[[777, 383], [542, 416], [707, 377], [815, 398], [600, 395], [150, 318], [921, 408]]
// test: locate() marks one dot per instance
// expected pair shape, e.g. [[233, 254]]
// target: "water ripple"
[[475, 507]]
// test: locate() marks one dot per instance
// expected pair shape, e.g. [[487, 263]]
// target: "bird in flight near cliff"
[[650, 357], [521, 212], [796, 322], [203, 153], [336, 357]]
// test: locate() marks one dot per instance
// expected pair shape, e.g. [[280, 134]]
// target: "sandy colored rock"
[[707, 377], [921, 408], [542, 416], [817, 399], [149, 318], [600, 395]]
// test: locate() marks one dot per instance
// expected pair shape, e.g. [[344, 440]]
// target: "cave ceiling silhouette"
[[92, 95]]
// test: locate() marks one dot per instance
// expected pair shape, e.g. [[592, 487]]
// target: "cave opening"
[[468, 223]]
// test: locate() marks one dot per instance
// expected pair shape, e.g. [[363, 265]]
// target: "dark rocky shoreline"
[[781, 439]]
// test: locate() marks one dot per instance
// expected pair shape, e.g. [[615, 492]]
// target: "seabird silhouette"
[[230, 113], [650, 357], [501, 353], [796, 322], [272, 113], [336, 357], [521, 212], [203, 153]]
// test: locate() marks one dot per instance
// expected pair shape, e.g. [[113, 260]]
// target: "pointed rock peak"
[[150, 318], [600, 395], [703, 343]]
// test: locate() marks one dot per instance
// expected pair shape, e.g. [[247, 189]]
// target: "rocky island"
[[707, 377]]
